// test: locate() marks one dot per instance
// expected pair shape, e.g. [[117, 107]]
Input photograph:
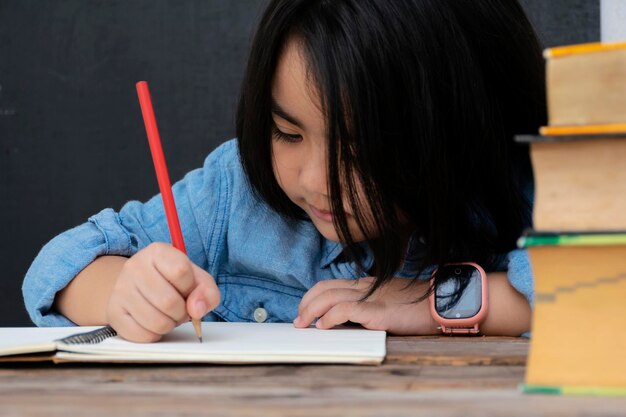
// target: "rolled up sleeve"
[[521, 277], [61, 259], [520, 274]]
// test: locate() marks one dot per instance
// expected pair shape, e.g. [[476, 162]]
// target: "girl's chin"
[[329, 233]]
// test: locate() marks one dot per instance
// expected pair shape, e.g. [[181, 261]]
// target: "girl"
[[374, 143]]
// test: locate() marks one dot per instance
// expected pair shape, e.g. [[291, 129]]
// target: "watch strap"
[[460, 330]]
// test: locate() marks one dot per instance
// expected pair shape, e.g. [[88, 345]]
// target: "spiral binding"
[[92, 337]]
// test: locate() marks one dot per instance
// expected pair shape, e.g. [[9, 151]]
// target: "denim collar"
[[331, 251]]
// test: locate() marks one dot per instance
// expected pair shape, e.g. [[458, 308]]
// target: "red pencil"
[[163, 178]]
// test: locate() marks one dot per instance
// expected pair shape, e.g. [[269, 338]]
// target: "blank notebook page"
[[254, 342]]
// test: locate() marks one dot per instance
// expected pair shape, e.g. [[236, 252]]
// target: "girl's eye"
[[280, 135]]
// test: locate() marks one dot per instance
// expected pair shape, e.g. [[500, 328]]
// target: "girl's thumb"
[[204, 297]]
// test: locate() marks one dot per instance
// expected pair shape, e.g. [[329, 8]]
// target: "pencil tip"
[[200, 339]]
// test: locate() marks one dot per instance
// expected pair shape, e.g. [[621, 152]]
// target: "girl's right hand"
[[158, 289]]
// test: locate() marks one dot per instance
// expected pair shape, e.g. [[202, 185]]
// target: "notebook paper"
[[223, 343]]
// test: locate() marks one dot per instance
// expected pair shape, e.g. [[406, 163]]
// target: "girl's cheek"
[[286, 156]]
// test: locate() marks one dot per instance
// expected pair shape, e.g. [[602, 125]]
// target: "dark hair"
[[422, 99]]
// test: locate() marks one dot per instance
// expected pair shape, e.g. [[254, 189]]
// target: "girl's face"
[[299, 143]]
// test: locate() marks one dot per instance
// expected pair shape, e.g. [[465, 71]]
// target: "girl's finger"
[[174, 266], [182, 321], [318, 306], [162, 295], [128, 328], [322, 286], [356, 312], [147, 315]]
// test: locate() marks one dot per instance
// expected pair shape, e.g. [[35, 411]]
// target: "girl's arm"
[[142, 297], [392, 307], [85, 299], [509, 312]]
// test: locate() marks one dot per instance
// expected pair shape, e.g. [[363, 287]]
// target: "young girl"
[[375, 142]]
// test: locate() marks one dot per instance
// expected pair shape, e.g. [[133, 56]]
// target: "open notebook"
[[236, 343]]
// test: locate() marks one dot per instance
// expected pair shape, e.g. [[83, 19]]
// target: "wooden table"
[[441, 376]]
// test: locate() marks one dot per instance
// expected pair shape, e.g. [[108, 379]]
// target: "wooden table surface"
[[438, 376]]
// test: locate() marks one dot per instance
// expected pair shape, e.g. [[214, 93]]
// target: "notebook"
[[223, 343]]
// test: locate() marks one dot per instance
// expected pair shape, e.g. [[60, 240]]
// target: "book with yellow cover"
[[586, 88], [578, 342], [580, 182]]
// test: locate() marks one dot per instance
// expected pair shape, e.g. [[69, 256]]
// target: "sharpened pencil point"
[[198, 328]]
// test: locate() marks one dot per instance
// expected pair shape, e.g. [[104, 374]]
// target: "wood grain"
[[404, 385], [437, 350]]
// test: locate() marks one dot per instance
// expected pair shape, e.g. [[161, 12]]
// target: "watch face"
[[459, 294]]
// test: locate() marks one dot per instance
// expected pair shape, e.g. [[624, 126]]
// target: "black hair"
[[421, 100]]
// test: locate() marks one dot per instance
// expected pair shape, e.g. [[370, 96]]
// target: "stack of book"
[[578, 245]]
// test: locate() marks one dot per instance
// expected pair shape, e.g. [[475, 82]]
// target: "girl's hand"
[[391, 307], [158, 289]]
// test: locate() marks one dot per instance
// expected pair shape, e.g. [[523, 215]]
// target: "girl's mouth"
[[324, 215]]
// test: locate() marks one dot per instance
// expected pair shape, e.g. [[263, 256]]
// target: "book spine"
[[574, 130], [572, 240], [569, 390], [92, 337], [583, 48], [530, 139]]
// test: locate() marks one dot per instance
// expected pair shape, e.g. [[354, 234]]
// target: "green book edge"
[[582, 239], [569, 390]]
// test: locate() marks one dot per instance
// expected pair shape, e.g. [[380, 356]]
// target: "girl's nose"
[[313, 173]]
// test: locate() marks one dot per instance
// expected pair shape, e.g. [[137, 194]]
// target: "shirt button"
[[260, 315]]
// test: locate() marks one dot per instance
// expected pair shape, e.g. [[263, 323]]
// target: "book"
[[586, 88], [577, 248], [223, 343], [580, 182], [578, 345]]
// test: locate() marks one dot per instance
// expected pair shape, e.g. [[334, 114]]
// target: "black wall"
[[72, 139]]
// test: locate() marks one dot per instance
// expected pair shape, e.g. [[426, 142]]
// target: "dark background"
[[72, 139]]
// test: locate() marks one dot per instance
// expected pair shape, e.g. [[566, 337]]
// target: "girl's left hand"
[[391, 308]]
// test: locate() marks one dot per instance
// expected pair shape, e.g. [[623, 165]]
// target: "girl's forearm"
[[509, 313], [85, 299]]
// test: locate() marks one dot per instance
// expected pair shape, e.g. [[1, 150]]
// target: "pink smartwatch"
[[459, 301]]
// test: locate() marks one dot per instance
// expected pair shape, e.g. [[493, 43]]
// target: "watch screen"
[[459, 294]]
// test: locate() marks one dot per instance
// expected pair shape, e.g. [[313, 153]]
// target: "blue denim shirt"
[[258, 258]]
